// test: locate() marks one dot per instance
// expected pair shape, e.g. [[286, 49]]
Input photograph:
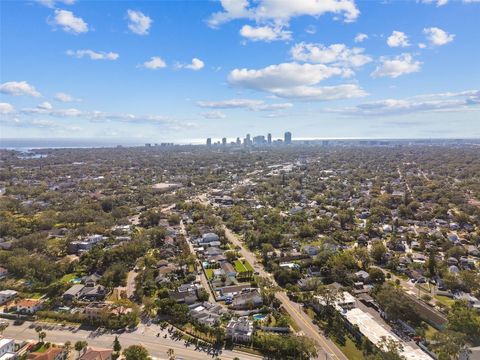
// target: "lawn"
[[242, 266], [350, 350], [430, 332], [445, 300], [68, 278], [209, 273]]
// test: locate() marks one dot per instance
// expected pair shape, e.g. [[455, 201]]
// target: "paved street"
[[327, 347], [144, 335]]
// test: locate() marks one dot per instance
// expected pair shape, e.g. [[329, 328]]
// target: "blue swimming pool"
[[259, 317]]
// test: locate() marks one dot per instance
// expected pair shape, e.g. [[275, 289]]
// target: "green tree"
[[3, 326], [136, 352], [80, 345], [449, 344], [378, 251], [117, 347], [171, 354]]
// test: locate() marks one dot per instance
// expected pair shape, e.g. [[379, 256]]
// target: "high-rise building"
[[239, 142], [288, 138], [209, 142], [224, 141], [259, 140], [269, 139]]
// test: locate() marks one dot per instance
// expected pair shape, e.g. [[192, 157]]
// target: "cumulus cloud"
[[69, 22], [338, 54], [280, 12], [138, 22], [250, 104], [6, 108], [211, 115], [360, 37], [154, 63], [294, 80], [265, 33], [63, 97], [423, 103], [195, 65], [398, 39], [17, 88], [93, 55], [397, 66], [437, 36]]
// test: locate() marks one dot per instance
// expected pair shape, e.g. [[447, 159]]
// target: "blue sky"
[[183, 71]]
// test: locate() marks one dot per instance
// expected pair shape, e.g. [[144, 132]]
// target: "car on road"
[[18, 322]]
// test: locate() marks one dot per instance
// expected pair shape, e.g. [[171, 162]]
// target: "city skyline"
[[136, 72]]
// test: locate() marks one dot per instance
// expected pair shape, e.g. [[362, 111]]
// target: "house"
[[362, 276], [3, 272], [89, 292], [52, 353], [7, 348], [311, 250], [209, 237], [247, 300], [228, 269], [186, 293], [7, 295], [240, 330], [28, 306], [96, 354]]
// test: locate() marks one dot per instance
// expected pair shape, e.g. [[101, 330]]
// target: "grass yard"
[[209, 273], [445, 300], [350, 350], [242, 266], [68, 278]]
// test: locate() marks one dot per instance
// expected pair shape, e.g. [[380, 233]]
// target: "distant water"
[[28, 144]]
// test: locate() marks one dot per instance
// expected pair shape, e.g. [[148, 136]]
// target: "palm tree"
[[67, 347], [3, 326], [171, 354], [38, 329], [42, 335]]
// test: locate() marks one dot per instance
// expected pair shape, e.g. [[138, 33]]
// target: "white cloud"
[[45, 106], [360, 37], [311, 29], [265, 33], [250, 104], [423, 103], [6, 108], [51, 3], [281, 11], [195, 65], [138, 22], [438, 3], [437, 36], [211, 115], [298, 81], [93, 55], [338, 54], [69, 22], [398, 39], [63, 97], [154, 63], [400, 65], [17, 88], [422, 45]]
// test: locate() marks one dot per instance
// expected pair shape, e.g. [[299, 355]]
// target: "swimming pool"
[[259, 317]]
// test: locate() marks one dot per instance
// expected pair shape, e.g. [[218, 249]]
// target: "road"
[[144, 335], [309, 329], [201, 275]]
